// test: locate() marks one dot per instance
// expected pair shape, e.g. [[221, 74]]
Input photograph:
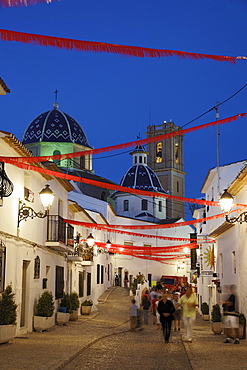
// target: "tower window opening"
[[176, 153], [160, 206], [140, 159], [126, 205], [159, 152]]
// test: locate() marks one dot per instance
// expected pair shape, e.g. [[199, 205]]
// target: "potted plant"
[[44, 319], [205, 311], [64, 312], [139, 279], [74, 305], [216, 319], [86, 307], [7, 315]]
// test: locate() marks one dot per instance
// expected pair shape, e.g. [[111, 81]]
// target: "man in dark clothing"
[[166, 310]]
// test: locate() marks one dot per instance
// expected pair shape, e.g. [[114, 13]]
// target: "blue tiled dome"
[[140, 176], [143, 178], [55, 126]]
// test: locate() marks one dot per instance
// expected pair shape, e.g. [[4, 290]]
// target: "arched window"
[[36, 267], [126, 205], [159, 152], [144, 205], [57, 161], [135, 159], [140, 159]]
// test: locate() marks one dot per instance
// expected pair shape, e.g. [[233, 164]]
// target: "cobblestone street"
[[103, 340]]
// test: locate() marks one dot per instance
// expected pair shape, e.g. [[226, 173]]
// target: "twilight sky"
[[115, 97]]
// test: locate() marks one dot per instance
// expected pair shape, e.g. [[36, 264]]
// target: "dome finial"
[[55, 104]]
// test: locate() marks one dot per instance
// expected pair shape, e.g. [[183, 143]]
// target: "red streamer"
[[103, 47], [125, 145], [21, 3]]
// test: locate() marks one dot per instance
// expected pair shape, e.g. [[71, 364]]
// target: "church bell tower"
[[166, 158]]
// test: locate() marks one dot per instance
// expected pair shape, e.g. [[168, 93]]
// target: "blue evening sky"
[[115, 97]]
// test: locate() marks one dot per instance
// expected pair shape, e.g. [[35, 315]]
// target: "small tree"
[[66, 302], [7, 307], [74, 301], [216, 314], [205, 308], [45, 306]]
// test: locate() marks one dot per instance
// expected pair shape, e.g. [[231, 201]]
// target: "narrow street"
[[140, 350]]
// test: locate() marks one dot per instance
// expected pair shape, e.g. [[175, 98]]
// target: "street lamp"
[[46, 197], [90, 240], [226, 201]]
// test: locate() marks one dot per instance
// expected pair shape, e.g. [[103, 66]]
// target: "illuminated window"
[[159, 152], [176, 153]]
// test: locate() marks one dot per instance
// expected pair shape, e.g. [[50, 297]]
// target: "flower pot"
[[74, 316], [41, 323], [7, 333], [205, 317], [216, 327], [62, 318], [86, 310]]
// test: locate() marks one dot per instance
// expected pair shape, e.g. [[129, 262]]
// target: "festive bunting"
[[20, 3], [108, 185], [103, 47], [125, 145]]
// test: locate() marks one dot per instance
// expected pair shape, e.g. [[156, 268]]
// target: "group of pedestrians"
[[167, 308]]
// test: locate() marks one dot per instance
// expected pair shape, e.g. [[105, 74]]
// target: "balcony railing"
[[59, 232]]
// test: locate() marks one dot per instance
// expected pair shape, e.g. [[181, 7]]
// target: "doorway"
[[24, 294]]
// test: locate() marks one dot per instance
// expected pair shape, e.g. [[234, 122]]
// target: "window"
[[126, 205], [102, 274], [2, 265], [98, 273], [57, 161], [135, 159], [81, 283], [144, 205], [140, 159], [159, 152], [59, 282], [36, 268], [177, 187], [88, 283], [160, 206]]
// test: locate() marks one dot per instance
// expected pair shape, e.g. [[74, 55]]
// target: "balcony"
[[82, 253], [60, 236]]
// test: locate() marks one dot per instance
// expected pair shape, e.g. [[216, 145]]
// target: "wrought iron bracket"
[[26, 211], [240, 218]]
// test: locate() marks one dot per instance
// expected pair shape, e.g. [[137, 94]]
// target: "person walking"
[[145, 306], [166, 310], [177, 313], [189, 303], [133, 315]]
